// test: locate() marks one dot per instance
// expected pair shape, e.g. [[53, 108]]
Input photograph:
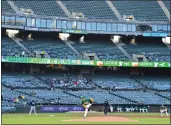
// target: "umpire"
[[106, 106]]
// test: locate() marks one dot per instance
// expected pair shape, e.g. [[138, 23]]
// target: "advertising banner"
[[155, 34], [85, 62], [61, 108], [74, 31]]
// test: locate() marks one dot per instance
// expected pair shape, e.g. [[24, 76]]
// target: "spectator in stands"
[[23, 54], [58, 81], [15, 100], [89, 81], [12, 88], [144, 90], [79, 81], [75, 82], [21, 97], [58, 101], [33, 93], [34, 54], [61, 81], [113, 88], [66, 87], [2, 97], [65, 80], [54, 79], [52, 87], [52, 82]]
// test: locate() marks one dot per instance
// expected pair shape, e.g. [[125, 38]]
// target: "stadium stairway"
[[168, 46], [163, 96], [71, 94], [68, 43], [164, 8], [145, 86], [113, 8], [91, 9], [10, 47], [148, 89], [6, 7], [131, 77], [43, 8], [15, 8], [124, 51], [100, 88], [31, 95], [123, 97], [24, 81], [63, 7], [37, 77], [15, 93], [5, 85], [17, 41], [140, 11]]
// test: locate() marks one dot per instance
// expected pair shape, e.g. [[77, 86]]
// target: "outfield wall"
[[68, 108]]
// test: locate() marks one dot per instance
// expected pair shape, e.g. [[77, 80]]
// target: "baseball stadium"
[[85, 61]]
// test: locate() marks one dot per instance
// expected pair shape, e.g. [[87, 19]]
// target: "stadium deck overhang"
[[28, 22]]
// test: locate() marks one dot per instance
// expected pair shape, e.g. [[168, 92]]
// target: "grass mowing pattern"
[[44, 118]]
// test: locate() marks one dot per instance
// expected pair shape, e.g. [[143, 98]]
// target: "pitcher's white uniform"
[[86, 102]]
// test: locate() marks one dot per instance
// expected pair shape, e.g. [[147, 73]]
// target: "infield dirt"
[[103, 119]]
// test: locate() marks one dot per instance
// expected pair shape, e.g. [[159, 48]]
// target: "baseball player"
[[86, 103], [106, 105], [163, 109], [32, 108]]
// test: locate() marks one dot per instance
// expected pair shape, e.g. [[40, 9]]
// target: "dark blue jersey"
[[32, 103], [106, 104]]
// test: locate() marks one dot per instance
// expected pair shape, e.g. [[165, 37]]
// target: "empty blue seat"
[[91, 9], [45, 8], [143, 97], [154, 51], [155, 82], [167, 4], [105, 50], [6, 7], [117, 80], [141, 10]]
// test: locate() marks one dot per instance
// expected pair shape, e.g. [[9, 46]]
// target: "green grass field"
[[58, 118]]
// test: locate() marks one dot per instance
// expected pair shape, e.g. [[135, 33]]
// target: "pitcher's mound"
[[103, 119]]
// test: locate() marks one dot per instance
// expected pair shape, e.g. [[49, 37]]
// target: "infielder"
[[32, 108], [163, 109], [86, 102]]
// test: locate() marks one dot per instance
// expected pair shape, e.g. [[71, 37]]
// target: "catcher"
[[163, 109], [86, 103]]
